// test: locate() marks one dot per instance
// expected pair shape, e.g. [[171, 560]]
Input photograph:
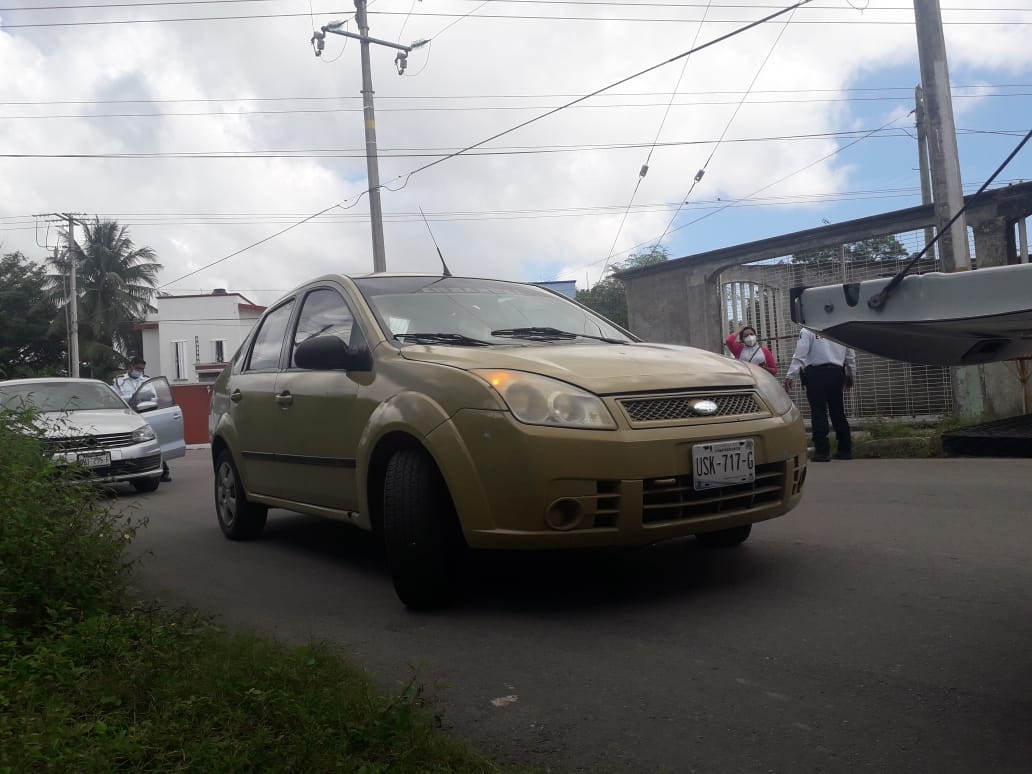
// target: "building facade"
[[189, 338]]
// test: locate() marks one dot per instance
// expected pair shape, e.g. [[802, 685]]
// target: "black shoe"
[[821, 458], [166, 477], [843, 456]]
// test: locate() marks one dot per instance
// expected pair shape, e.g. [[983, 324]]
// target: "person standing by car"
[[745, 346], [828, 368], [127, 385]]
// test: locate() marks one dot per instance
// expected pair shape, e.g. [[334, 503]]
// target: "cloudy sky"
[[208, 126]]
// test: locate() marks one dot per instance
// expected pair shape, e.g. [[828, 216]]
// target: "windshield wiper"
[[551, 334], [442, 338]]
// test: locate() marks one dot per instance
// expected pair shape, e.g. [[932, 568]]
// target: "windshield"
[[489, 311], [59, 396]]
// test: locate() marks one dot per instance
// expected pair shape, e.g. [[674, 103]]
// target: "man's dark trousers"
[[824, 386]]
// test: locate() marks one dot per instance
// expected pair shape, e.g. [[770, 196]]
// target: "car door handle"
[[236, 396], [284, 398]]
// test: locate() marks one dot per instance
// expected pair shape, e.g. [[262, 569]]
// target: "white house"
[[189, 338]]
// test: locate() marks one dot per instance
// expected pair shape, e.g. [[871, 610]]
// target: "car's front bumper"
[[525, 487], [142, 460]]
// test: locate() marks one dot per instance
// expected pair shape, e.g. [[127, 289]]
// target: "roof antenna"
[[446, 273]]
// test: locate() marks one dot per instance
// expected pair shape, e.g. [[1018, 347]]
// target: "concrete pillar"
[[677, 307], [992, 247]]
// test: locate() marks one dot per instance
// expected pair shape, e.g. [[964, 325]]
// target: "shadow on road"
[[544, 581]]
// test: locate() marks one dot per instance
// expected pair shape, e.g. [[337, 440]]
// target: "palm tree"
[[115, 281]]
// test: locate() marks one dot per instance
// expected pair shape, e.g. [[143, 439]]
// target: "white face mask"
[[750, 341]]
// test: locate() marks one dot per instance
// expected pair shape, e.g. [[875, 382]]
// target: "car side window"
[[155, 390], [324, 313], [268, 342]]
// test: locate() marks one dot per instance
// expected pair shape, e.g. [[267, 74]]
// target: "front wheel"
[[725, 538], [239, 518], [421, 531]]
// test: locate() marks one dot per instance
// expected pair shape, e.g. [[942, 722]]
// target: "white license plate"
[[95, 459], [723, 463]]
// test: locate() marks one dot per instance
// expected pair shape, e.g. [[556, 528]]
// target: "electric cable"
[[645, 167], [878, 300], [702, 171]]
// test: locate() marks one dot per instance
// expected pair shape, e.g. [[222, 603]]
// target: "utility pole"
[[372, 162], [921, 121], [73, 291], [947, 191]]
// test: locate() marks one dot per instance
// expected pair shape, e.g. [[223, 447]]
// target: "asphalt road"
[[885, 625]]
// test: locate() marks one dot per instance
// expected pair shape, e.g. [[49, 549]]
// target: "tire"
[[146, 484], [239, 518], [725, 538], [421, 531]]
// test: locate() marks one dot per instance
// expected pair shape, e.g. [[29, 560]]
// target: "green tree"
[[609, 297], [28, 344], [116, 281], [880, 248]]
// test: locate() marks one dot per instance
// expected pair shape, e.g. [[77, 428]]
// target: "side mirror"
[[330, 353], [145, 405]]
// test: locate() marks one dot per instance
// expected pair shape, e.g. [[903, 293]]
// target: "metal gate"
[[758, 295]]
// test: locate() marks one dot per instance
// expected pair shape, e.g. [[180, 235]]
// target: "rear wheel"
[[146, 484], [239, 518], [725, 538], [421, 531]]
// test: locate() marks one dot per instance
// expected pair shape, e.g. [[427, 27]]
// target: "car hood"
[[601, 368], [62, 424]]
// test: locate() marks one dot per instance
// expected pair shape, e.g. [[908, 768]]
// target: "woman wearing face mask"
[[745, 346]]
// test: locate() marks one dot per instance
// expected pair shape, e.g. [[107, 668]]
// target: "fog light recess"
[[564, 514]]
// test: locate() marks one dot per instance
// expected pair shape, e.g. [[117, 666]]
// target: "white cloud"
[[475, 58]]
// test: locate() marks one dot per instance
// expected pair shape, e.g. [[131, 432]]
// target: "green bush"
[[62, 550], [89, 683]]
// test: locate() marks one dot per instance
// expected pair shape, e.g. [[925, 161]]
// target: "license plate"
[[723, 463], [95, 459]]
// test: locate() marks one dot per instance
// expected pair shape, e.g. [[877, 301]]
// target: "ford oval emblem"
[[704, 408]]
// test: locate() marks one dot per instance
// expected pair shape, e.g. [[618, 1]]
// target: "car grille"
[[86, 443], [675, 498], [669, 408]]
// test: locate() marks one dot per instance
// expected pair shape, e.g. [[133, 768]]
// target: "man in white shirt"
[[827, 369], [127, 385]]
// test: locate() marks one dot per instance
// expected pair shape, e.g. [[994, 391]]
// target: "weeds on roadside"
[[90, 684], [62, 552]]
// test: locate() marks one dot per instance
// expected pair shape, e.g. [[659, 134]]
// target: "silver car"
[[85, 422]]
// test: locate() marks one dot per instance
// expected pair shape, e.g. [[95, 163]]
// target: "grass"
[[148, 690], [90, 683], [899, 439]]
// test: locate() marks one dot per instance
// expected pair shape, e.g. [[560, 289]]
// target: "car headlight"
[[539, 400], [772, 392], [142, 434]]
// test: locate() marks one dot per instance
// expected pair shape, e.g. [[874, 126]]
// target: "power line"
[[508, 17], [251, 218], [584, 3], [476, 108], [728, 205], [443, 154], [702, 172], [260, 241], [904, 91], [408, 176], [659, 131]]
